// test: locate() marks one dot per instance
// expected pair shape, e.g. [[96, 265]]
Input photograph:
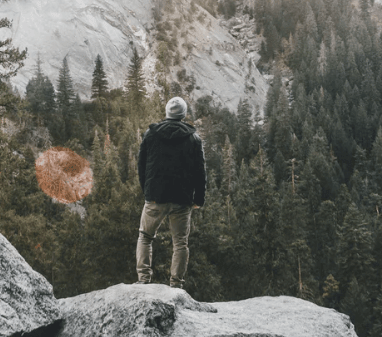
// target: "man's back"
[[171, 164], [172, 176]]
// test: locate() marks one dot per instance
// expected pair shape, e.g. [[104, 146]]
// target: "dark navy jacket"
[[171, 164]]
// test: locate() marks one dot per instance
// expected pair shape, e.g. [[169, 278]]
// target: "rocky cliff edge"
[[28, 308]]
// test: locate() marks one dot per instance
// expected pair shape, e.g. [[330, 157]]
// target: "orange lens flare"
[[64, 175]]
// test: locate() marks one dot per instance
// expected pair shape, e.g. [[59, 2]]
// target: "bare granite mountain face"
[[29, 309], [81, 29]]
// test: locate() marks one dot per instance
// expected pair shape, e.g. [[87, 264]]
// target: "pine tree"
[[342, 147], [299, 110], [356, 304], [361, 126], [273, 41], [22, 207], [280, 168], [310, 188], [331, 292], [227, 8], [265, 209], [205, 241], [236, 236], [11, 58], [322, 60], [377, 310], [354, 102], [99, 110], [244, 146], [125, 144], [364, 5], [41, 97], [280, 130], [310, 23], [335, 76], [78, 122], [70, 256], [264, 229], [299, 39], [307, 136], [328, 32], [312, 72], [260, 11], [229, 176], [294, 220], [378, 82], [135, 85], [109, 237], [273, 95], [65, 91], [99, 83], [243, 195], [65, 97], [109, 176], [32, 237], [324, 240], [352, 71], [322, 164], [369, 92], [377, 158], [355, 258], [319, 8], [98, 159]]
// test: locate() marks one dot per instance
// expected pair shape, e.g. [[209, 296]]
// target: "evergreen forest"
[[293, 200]]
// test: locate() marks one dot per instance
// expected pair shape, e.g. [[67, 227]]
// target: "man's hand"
[[194, 206]]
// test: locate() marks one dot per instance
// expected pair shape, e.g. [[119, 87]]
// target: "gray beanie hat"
[[176, 108]]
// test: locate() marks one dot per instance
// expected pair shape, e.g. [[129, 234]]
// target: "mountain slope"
[[79, 30], [82, 29]]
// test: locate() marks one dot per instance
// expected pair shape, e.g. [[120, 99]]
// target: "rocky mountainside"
[[81, 29], [28, 308]]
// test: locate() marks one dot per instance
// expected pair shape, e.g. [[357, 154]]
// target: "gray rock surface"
[[158, 310], [29, 309], [222, 67], [27, 302], [127, 310]]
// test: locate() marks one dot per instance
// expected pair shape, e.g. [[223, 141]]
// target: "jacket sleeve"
[[200, 177], [142, 162]]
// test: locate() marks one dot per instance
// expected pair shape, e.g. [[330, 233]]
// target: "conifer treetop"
[[99, 83]]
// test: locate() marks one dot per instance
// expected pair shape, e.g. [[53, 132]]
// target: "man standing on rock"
[[173, 179]]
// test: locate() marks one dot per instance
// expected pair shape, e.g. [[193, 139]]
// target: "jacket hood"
[[172, 129]]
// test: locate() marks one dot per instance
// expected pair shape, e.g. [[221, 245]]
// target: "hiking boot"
[[180, 286], [142, 282]]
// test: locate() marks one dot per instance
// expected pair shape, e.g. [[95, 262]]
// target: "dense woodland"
[[293, 201]]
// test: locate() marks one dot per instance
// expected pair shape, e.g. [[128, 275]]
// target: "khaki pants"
[[180, 219]]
